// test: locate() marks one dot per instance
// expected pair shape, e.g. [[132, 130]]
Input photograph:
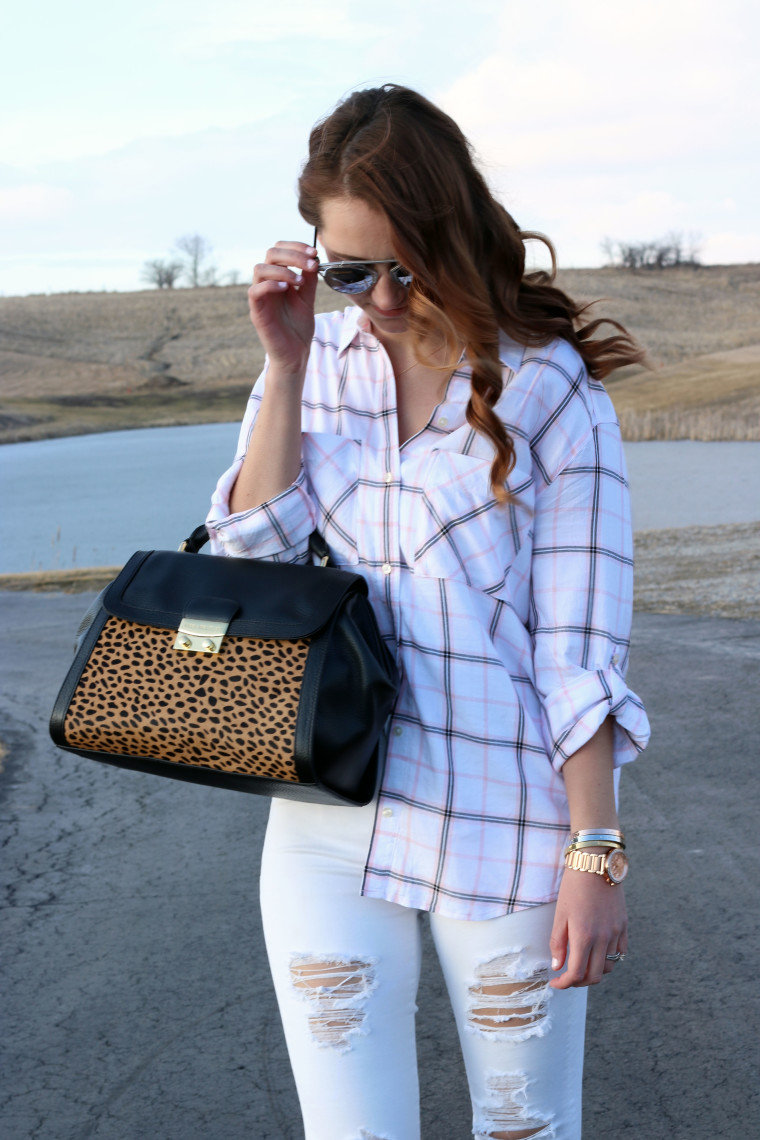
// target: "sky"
[[125, 127]]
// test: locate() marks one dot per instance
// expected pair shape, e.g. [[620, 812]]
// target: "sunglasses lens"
[[401, 276], [350, 279]]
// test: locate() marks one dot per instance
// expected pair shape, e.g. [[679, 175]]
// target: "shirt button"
[[388, 476], [387, 812], [387, 568], [615, 658], [398, 730], [442, 421]]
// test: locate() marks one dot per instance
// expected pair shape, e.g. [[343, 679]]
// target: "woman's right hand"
[[281, 303]]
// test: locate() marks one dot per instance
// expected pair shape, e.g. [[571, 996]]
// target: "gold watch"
[[613, 865]]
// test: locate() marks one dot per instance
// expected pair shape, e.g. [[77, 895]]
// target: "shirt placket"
[[378, 541]]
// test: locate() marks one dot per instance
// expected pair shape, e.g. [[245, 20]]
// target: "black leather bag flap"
[[268, 599]]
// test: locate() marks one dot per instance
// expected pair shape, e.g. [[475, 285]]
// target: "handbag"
[[238, 673]]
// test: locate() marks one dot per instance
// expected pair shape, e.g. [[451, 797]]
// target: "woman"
[[449, 436]]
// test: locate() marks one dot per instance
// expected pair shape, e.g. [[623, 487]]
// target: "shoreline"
[[35, 421]]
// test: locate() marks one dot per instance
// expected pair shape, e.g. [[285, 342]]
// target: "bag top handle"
[[317, 545]]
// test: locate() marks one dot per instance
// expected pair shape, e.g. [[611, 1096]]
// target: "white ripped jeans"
[[346, 970]]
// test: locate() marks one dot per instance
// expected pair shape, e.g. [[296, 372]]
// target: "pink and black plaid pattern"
[[510, 624]]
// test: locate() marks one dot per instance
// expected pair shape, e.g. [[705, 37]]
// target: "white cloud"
[[603, 117], [610, 82], [202, 28], [728, 246], [34, 202]]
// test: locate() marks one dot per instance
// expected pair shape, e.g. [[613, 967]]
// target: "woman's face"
[[352, 231]]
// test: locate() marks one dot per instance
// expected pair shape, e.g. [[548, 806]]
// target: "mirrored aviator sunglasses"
[[359, 276]]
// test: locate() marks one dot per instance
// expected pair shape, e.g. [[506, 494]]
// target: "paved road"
[[137, 1003]]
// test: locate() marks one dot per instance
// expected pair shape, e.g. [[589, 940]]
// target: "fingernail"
[[555, 963], [311, 264], [299, 279], [311, 249], [282, 284]]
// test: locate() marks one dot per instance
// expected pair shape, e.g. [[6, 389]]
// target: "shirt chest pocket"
[[457, 530], [332, 464]]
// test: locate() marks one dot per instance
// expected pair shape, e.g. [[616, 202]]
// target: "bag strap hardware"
[[198, 636]]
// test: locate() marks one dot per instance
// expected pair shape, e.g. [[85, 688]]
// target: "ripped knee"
[[508, 1001], [336, 990], [505, 1114]]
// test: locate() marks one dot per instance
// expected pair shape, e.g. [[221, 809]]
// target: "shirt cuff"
[[577, 708], [278, 529]]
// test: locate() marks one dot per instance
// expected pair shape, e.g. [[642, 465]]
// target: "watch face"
[[617, 866]]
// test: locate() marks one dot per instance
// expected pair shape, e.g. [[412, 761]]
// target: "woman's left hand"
[[590, 922]]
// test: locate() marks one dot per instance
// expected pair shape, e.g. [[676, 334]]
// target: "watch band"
[[612, 865]]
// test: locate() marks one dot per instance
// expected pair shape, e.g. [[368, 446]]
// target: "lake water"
[[92, 500]]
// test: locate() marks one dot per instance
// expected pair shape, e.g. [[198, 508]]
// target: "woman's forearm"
[[273, 458], [589, 782], [590, 922]]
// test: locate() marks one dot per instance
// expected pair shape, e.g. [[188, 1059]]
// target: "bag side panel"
[[85, 642], [357, 690]]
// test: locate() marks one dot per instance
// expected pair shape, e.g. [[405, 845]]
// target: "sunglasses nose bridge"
[[386, 286]]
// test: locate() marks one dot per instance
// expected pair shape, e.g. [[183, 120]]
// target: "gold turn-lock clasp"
[[196, 635]]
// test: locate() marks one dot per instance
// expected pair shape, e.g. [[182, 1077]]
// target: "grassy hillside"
[[82, 362]]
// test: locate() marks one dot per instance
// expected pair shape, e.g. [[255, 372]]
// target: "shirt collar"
[[510, 352], [353, 325], [356, 322]]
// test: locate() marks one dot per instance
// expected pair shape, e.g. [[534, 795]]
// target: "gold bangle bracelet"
[[596, 843], [598, 848]]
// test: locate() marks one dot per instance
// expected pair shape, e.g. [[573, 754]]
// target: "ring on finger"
[[615, 957]]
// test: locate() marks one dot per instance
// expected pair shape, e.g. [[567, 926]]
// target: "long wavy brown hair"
[[400, 154]]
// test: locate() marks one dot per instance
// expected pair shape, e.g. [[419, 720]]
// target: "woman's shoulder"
[[557, 365], [557, 404]]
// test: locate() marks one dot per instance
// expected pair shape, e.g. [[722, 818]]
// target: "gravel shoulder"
[[709, 570]]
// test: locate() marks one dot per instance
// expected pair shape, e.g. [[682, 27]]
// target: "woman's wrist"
[[287, 376], [597, 837]]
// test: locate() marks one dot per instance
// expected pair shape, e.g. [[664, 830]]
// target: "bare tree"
[[676, 244], [162, 274], [196, 250], [665, 253], [694, 248], [609, 249]]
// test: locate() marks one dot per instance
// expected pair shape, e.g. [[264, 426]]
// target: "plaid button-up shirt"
[[510, 624]]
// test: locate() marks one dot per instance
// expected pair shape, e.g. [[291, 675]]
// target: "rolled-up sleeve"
[[278, 529], [582, 602]]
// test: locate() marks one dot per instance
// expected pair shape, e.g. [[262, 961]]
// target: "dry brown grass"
[[677, 313], [72, 363], [716, 396], [80, 362]]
